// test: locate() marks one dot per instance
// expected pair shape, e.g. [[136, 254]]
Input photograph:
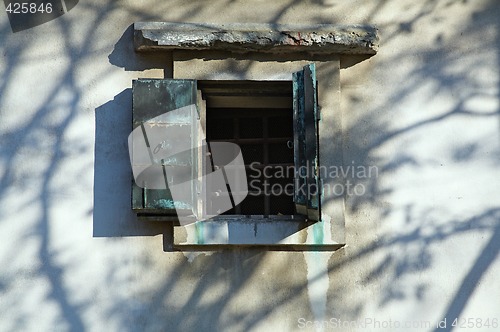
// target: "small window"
[[273, 123], [258, 117]]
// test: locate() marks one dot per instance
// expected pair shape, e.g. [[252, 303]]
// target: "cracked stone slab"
[[266, 38]]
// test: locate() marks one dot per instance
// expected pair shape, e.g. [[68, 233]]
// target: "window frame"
[[198, 206]]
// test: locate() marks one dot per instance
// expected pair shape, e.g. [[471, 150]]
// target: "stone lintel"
[[264, 38]]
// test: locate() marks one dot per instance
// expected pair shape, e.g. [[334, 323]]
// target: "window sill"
[[274, 233]]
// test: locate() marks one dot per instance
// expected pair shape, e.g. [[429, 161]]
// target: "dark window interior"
[[265, 136]]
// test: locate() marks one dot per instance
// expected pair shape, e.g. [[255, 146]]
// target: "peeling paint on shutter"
[[306, 148]]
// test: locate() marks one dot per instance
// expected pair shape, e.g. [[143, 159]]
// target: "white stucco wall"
[[423, 241]]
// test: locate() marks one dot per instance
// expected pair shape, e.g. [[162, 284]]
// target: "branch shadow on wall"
[[113, 216], [400, 254], [166, 307]]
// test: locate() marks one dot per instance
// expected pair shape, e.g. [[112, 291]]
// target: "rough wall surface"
[[423, 238]]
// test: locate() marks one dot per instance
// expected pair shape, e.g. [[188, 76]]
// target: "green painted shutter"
[[158, 126], [306, 147]]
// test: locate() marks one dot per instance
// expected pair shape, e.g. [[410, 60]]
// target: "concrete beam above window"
[[267, 38]]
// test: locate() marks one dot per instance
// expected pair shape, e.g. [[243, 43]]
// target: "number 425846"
[[28, 7]]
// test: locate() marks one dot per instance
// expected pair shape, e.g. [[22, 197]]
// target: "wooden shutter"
[[306, 147], [165, 108]]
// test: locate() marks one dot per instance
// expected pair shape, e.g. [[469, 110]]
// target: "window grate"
[[265, 137]]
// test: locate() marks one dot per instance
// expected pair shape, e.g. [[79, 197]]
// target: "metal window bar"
[[268, 136]]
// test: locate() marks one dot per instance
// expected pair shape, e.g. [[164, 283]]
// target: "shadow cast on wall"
[[124, 56], [113, 216], [415, 254]]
